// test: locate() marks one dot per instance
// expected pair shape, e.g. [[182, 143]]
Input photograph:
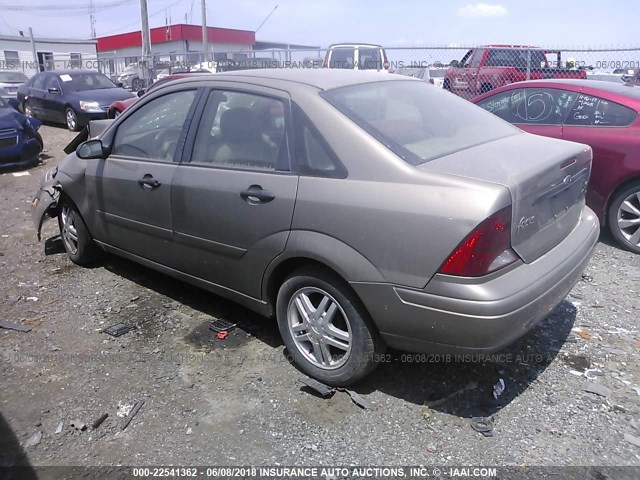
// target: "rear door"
[[131, 189], [36, 94], [52, 103], [233, 196], [605, 126]]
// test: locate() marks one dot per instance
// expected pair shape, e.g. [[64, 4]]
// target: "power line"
[[153, 14]]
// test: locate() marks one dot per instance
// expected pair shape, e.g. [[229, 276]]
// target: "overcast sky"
[[390, 22]]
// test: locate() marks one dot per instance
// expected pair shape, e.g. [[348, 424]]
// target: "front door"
[[131, 189], [232, 202]]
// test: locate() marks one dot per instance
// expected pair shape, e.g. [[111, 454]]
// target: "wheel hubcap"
[[69, 232], [319, 327], [71, 119], [629, 219], [27, 111]]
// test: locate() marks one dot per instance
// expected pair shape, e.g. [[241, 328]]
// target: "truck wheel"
[[136, 84], [326, 331], [486, 87], [623, 217], [447, 84]]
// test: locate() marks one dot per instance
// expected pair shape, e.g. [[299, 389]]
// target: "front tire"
[[76, 238], [28, 110], [326, 331], [72, 120], [623, 218]]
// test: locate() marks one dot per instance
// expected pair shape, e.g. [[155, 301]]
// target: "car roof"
[[69, 71], [355, 44], [322, 79]]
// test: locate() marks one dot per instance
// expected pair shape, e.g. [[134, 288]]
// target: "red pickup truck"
[[484, 68]]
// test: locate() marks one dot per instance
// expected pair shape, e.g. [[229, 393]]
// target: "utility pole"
[[146, 45], [33, 49], [92, 18], [205, 38]]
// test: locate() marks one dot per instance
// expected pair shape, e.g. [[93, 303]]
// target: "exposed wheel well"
[[276, 278]]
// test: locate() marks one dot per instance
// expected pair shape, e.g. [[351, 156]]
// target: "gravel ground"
[[239, 402]]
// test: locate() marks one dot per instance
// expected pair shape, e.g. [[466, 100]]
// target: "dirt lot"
[[239, 402]]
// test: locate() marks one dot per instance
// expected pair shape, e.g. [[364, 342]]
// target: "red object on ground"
[[222, 335]]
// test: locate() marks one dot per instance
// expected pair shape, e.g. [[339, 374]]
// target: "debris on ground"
[[59, 427], [35, 439], [221, 325], [79, 425], [636, 389], [597, 389], [14, 326], [32, 299], [434, 403], [583, 333], [483, 425], [222, 335], [21, 174], [498, 388], [136, 408], [119, 329], [631, 439], [99, 420], [319, 387], [189, 431], [358, 400], [123, 409], [426, 411]]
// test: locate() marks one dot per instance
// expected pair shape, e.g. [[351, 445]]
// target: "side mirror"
[[53, 90], [90, 149], [14, 103], [141, 92]]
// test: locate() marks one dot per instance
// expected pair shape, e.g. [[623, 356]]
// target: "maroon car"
[[600, 114], [116, 108]]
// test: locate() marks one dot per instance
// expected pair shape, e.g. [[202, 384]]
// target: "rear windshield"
[[369, 59], [12, 77], [78, 82], [342, 58], [516, 58], [416, 121]]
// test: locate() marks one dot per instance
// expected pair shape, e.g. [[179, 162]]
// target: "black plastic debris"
[[483, 425], [319, 387], [358, 400], [99, 420], [14, 326], [127, 420], [119, 329], [221, 325]]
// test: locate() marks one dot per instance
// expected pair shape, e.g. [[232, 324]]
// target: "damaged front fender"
[[45, 204]]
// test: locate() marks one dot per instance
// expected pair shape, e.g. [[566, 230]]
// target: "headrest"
[[239, 124]]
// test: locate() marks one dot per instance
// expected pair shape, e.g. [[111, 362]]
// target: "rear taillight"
[[486, 249]]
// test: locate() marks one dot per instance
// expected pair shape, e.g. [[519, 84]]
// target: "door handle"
[[148, 182], [255, 194]]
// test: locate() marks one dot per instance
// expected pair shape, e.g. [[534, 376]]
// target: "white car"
[[356, 56], [11, 80]]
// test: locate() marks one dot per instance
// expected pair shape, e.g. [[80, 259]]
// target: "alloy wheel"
[[629, 218], [69, 232], [320, 328]]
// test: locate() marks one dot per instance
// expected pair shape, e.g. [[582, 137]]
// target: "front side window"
[[242, 130], [152, 131], [52, 82], [416, 121], [476, 58], [542, 106], [594, 111]]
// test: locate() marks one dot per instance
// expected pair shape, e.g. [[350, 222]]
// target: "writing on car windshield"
[[78, 82]]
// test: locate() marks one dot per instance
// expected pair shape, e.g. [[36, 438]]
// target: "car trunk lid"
[[547, 179]]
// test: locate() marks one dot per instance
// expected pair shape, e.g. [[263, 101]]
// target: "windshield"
[[78, 82], [416, 121], [12, 77]]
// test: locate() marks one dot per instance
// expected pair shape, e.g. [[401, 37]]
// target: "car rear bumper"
[[480, 315]]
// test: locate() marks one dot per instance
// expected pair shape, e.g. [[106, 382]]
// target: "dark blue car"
[[71, 97], [20, 142]]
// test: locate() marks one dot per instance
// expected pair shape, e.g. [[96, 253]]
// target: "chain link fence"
[[465, 70]]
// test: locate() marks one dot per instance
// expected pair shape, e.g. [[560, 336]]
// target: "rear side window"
[[594, 111], [313, 153], [342, 58], [416, 121]]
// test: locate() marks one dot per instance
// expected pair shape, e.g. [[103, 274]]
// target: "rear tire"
[[28, 110], [327, 332], [76, 238], [623, 217]]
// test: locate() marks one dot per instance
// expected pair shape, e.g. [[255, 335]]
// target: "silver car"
[[360, 209]]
